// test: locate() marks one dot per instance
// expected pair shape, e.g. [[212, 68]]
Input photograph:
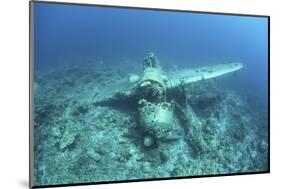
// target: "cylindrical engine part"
[[156, 118]]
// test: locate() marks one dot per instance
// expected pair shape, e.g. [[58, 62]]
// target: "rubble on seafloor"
[[77, 141]]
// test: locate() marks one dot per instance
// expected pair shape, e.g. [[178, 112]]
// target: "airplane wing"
[[119, 94], [187, 76]]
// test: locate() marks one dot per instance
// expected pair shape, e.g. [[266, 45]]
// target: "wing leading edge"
[[198, 74]]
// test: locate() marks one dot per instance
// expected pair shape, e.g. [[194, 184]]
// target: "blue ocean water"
[[187, 39], [67, 34]]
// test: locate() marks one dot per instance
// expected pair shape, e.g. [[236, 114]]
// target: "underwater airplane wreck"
[[159, 98]]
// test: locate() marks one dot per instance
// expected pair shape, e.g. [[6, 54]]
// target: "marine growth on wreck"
[[131, 94]]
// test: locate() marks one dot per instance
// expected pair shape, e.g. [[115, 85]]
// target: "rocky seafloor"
[[77, 141]]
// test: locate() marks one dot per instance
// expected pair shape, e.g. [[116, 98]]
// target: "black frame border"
[[31, 95]]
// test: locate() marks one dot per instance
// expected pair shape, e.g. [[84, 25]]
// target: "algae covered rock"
[[68, 138]]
